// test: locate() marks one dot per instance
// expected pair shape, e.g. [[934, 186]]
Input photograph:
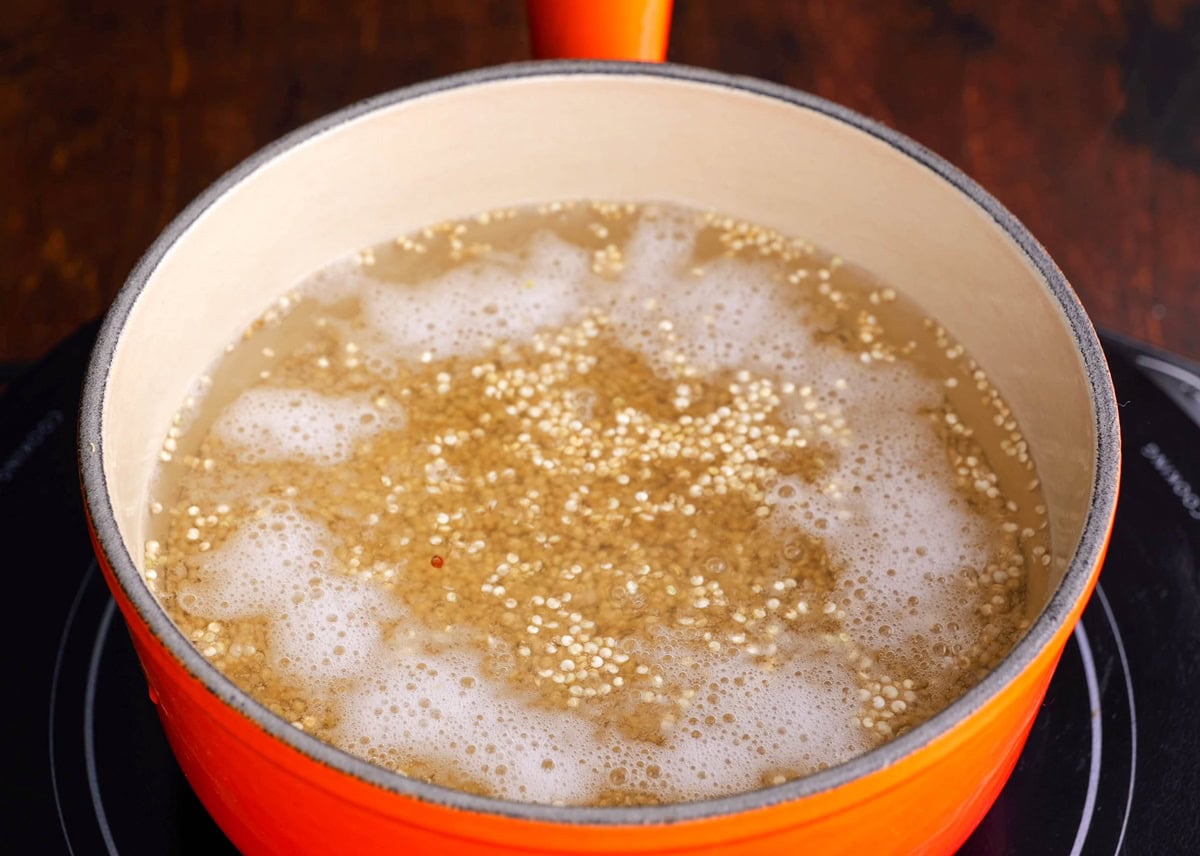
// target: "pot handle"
[[599, 29]]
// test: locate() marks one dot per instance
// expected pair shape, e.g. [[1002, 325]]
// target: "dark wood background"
[[1082, 116]]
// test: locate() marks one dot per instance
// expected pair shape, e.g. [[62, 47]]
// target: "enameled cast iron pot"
[[551, 131]]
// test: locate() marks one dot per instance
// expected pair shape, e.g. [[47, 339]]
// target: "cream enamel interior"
[[544, 138]]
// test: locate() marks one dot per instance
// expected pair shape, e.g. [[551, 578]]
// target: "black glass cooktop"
[[1112, 764]]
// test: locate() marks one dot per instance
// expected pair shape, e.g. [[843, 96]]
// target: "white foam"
[[405, 697], [905, 528], [272, 424], [417, 706], [726, 319], [907, 519], [792, 718], [323, 626], [475, 305]]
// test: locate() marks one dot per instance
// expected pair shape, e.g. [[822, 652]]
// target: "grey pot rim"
[[1073, 589]]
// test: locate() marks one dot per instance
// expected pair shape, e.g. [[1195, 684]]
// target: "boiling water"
[[598, 504]]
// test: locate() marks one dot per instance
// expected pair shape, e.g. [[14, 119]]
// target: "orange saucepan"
[[550, 131]]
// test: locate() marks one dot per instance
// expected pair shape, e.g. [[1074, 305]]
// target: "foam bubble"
[[746, 723], [323, 626], [416, 693], [271, 424], [420, 701], [891, 513], [470, 308], [889, 508]]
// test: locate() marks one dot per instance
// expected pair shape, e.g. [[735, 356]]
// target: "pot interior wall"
[[636, 137]]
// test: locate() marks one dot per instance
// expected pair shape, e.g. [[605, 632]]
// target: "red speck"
[[437, 561]]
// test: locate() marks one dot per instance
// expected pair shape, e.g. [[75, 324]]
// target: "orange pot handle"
[[599, 29]]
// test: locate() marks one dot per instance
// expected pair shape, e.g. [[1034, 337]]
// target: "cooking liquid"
[[598, 504]]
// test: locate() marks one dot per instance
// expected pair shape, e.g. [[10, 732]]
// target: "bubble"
[[473, 306], [267, 424]]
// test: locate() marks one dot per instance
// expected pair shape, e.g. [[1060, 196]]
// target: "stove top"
[[1112, 763]]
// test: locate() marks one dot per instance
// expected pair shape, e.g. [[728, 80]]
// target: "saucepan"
[[580, 129]]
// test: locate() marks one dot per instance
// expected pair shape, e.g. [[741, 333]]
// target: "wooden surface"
[[1082, 116]]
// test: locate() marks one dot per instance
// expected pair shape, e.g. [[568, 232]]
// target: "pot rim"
[[1076, 581]]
